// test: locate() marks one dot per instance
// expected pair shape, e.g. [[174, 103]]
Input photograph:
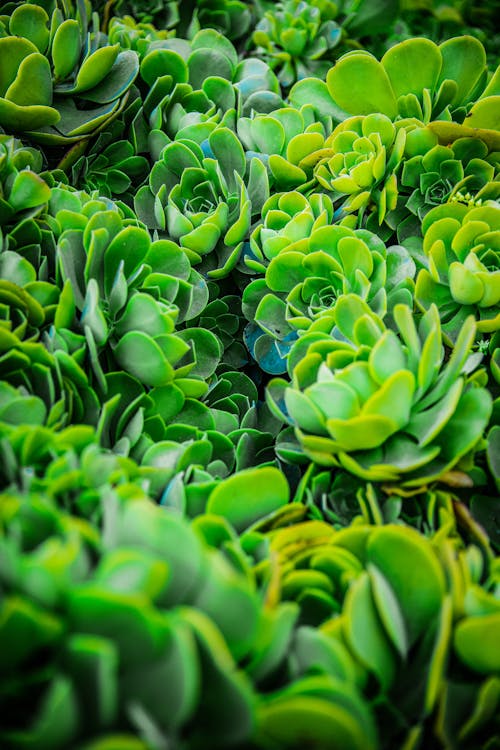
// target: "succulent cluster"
[[249, 375]]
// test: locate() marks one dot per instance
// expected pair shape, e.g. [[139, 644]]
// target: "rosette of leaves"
[[368, 628], [461, 244], [307, 276], [40, 366], [232, 18], [288, 221], [126, 294], [94, 623], [433, 174], [415, 78], [61, 81], [295, 35], [136, 35], [359, 165], [386, 406], [111, 167], [206, 203], [283, 139], [224, 317], [209, 62], [23, 193]]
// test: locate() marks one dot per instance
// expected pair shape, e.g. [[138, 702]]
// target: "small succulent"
[[462, 277], [284, 138], [204, 202], [295, 35], [57, 84], [129, 292], [232, 18], [209, 62], [386, 407], [111, 167], [359, 164]]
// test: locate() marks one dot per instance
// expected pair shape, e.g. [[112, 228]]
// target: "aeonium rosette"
[[313, 265], [386, 406], [462, 245]]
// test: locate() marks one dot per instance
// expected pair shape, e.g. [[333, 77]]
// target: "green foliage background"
[[250, 368]]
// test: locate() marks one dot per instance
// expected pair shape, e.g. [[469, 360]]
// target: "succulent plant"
[[462, 276], [284, 138], [360, 161], [203, 201], [415, 78], [433, 174], [84, 614], [383, 407], [58, 85], [233, 18], [23, 193], [367, 626], [307, 275], [295, 35]]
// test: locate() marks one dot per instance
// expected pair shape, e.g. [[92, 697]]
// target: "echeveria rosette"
[[128, 294], [295, 35], [284, 138], [386, 407], [359, 163], [288, 221], [209, 62], [415, 78], [462, 245], [54, 85], [111, 168], [433, 174], [306, 279], [206, 203]]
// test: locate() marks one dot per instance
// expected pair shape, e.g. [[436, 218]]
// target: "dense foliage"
[[250, 375]]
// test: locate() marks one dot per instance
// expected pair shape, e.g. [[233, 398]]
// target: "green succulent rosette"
[[416, 78], [206, 203], [288, 222], [283, 139], [433, 174], [210, 62], [461, 243], [129, 293], [55, 85], [121, 613], [386, 407], [23, 193], [308, 274], [295, 35], [232, 18], [359, 165]]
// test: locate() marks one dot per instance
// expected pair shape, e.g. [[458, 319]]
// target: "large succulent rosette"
[[386, 406]]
